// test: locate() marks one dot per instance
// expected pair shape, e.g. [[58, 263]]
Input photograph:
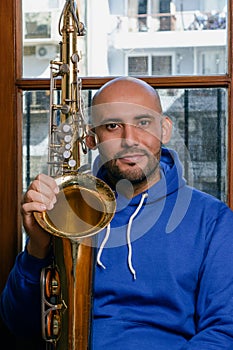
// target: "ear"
[[91, 141], [166, 130]]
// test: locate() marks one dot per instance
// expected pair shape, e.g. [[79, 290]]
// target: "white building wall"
[[98, 19]]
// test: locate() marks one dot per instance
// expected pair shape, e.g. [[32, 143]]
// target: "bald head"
[[128, 90]]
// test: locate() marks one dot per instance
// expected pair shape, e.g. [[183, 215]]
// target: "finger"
[[29, 208], [43, 190], [45, 200], [44, 184], [49, 181]]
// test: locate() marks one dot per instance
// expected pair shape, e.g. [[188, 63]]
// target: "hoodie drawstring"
[[128, 233], [132, 270], [99, 262]]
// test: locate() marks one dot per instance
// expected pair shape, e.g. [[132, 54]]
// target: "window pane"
[[138, 65], [35, 134], [199, 135], [36, 123], [193, 33], [161, 65]]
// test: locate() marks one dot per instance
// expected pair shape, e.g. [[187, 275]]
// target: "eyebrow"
[[146, 115], [121, 121]]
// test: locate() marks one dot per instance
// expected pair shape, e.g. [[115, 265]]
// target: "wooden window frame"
[[12, 85]]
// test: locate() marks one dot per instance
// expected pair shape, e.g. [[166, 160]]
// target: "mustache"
[[130, 151]]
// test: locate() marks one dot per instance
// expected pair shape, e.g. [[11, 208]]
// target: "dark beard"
[[135, 175]]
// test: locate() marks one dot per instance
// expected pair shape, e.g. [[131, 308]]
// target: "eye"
[[112, 126], [144, 123]]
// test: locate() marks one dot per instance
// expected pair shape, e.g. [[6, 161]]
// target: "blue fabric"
[[20, 305], [182, 252]]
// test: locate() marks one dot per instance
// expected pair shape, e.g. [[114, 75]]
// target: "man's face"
[[129, 140]]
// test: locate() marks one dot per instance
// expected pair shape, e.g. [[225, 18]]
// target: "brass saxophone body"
[[85, 205]]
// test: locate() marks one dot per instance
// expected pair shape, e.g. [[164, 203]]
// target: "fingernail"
[[50, 206], [56, 190], [43, 207]]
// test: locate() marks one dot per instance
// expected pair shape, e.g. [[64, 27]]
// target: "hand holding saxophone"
[[40, 196]]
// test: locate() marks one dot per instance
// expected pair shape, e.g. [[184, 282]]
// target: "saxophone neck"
[[70, 17]]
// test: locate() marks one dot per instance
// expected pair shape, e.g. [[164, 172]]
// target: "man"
[[164, 274]]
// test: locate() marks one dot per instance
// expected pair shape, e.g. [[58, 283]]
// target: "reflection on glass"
[[194, 113], [132, 37]]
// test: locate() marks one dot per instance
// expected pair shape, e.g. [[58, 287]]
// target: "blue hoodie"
[[164, 277]]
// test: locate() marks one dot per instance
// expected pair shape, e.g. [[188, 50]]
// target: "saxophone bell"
[[85, 205]]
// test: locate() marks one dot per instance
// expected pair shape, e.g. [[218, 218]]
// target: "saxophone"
[[85, 204]]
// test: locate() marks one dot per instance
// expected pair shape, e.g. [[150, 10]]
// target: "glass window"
[[138, 65], [161, 65], [153, 47], [150, 65], [139, 37], [35, 134], [194, 33], [194, 113]]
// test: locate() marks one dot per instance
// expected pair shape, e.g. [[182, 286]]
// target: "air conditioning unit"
[[46, 52]]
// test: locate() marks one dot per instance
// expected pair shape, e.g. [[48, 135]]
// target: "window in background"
[[194, 113], [150, 65], [139, 37], [143, 38], [138, 65], [142, 15], [162, 65], [193, 32], [200, 127]]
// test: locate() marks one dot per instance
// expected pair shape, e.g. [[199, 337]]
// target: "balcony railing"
[[176, 21]]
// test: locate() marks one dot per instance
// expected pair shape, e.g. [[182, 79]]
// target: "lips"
[[131, 158]]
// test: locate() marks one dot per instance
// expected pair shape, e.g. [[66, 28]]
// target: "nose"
[[130, 136]]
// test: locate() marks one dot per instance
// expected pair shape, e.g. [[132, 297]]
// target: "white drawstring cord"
[[132, 270], [99, 262], [103, 243]]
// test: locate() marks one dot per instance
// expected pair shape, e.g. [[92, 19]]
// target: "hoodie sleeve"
[[20, 301], [214, 303]]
